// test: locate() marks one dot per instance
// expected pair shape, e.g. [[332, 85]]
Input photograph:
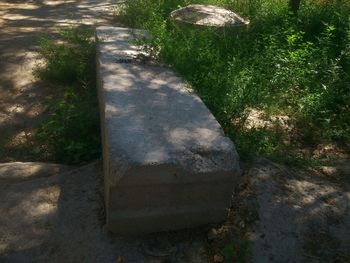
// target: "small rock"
[[212, 234], [328, 170]]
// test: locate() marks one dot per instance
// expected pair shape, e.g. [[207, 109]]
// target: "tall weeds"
[[284, 65]]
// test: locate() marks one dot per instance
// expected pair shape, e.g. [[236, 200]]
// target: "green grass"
[[70, 133], [236, 251], [298, 66]]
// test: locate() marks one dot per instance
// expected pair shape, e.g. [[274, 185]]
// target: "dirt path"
[[56, 214], [58, 217], [304, 215], [22, 22]]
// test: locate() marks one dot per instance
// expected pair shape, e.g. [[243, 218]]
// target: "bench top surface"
[[150, 115]]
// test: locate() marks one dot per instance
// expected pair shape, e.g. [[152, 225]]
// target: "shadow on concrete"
[[163, 120]]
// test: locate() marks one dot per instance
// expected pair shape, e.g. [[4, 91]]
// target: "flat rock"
[[208, 15], [168, 164]]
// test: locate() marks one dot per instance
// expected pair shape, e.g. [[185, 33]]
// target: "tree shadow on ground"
[[60, 218], [22, 23], [302, 217]]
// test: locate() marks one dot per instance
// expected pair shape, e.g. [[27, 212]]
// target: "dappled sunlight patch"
[[304, 193], [35, 203], [331, 151], [19, 138], [294, 206], [15, 109], [28, 214], [58, 2], [257, 119], [48, 203], [23, 171]]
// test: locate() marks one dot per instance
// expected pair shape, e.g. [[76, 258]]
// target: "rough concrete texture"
[[167, 162], [208, 15]]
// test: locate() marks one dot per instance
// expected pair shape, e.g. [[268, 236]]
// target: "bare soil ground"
[[54, 213], [59, 217], [304, 215]]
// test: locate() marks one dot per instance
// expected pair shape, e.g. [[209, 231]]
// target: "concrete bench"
[[167, 162]]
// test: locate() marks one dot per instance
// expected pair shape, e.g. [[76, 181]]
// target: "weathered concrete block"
[[167, 162]]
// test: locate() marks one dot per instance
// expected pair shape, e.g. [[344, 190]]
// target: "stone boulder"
[[208, 15]]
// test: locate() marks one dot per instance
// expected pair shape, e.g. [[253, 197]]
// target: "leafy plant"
[[68, 61], [70, 132]]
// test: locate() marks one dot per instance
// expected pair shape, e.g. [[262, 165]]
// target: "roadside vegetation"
[[289, 71], [70, 133]]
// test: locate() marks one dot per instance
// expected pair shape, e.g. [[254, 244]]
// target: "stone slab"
[[208, 15], [167, 163]]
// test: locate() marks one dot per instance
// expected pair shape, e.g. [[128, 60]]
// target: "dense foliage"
[[285, 64]]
